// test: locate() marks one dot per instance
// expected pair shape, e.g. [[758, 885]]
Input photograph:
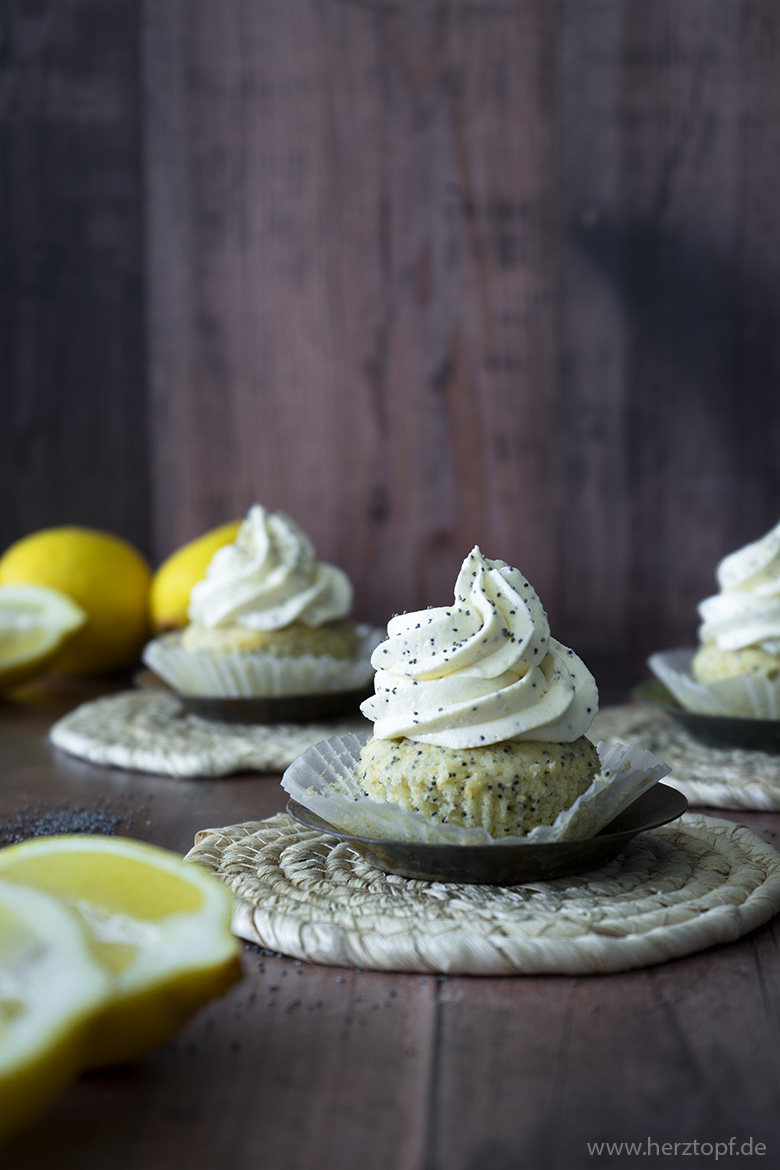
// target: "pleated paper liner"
[[325, 780], [719, 731], [306, 708], [746, 697], [258, 675], [507, 863]]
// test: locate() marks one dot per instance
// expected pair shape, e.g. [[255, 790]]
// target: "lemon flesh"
[[105, 576], [157, 925], [50, 988], [34, 625], [169, 598]]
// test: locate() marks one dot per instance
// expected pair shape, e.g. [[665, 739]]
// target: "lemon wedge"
[[35, 623], [157, 925], [50, 987], [169, 597]]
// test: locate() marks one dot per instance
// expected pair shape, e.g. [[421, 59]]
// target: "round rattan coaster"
[[674, 891], [715, 777], [151, 732]]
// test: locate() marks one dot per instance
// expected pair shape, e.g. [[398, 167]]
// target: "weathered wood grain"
[[352, 235], [677, 1052], [73, 432], [306, 1065], [299, 1065], [671, 118], [424, 275], [296, 1067]]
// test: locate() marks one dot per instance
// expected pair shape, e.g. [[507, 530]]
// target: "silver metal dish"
[[761, 735], [274, 709], [504, 865]]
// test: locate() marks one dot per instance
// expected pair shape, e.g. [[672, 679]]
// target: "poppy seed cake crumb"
[[338, 639], [507, 787], [712, 665]]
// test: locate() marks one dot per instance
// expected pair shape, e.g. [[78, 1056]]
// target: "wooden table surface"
[[303, 1066]]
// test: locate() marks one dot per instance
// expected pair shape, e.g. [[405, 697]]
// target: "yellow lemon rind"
[[169, 596], [102, 573], [170, 962]]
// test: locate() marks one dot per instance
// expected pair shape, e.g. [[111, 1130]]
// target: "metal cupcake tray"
[[509, 864], [761, 735], [270, 709]]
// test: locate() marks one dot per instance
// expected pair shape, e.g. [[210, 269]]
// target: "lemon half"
[[34, 625], [158, 926], [50, 988]]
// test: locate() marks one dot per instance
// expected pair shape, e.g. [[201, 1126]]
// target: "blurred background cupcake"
[[468, 271], [267, 619], [736, 668]]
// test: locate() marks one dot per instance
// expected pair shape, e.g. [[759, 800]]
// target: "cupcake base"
[[713, 665], [507, 787]]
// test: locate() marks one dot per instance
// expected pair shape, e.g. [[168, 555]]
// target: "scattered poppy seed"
[[40, 819]]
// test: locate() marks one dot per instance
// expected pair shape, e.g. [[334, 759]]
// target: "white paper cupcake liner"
[[242, 676], [324, 779], [746, 697]]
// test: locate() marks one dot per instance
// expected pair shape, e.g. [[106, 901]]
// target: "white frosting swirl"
[[746, 612], [269, 578], [483, 670]]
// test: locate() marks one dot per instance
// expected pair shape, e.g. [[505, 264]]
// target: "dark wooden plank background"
[[422, 274]]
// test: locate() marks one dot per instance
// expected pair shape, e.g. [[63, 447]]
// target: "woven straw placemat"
[[147, 731], [673, 891], [715, 777]]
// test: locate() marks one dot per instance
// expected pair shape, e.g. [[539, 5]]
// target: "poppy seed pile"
[[38, 818]]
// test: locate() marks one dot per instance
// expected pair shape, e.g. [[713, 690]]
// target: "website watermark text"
[[694, 1149]]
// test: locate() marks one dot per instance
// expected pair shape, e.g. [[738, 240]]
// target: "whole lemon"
[[105, 576], [169, 598]]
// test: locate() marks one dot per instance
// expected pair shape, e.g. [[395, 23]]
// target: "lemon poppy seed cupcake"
[[479, 714], [740, 628], [734, 672], [268, 619]]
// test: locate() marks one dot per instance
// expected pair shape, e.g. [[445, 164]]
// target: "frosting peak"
[[481, 670], [269, 578], [746, 612]]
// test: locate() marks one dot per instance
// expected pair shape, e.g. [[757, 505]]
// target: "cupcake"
[[479, 731], [736, 668], [740, 628], [479, 715], [268, 619]]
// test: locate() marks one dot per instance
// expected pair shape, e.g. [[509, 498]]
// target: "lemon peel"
[[158, 926], [169, 597], [104, 575], [35, 623], [50, 988]]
